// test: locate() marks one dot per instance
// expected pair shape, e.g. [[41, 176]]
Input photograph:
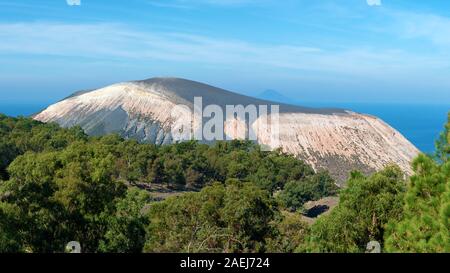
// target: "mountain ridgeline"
[[333, 139]]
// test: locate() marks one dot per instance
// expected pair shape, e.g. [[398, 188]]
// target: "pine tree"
[[424, 226]]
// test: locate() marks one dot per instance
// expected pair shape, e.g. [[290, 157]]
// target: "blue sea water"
[[420, 124], [15, 110]]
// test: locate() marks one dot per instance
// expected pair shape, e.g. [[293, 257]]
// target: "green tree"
[[297, 193], [9, 225], [442, 144], [59, 185], [365, 206], [247, 212], [126, 227], [231, 218], [291, 231], [21, 135], [63, 196], [425, 225]]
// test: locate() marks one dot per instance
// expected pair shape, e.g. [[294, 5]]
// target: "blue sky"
[[341, 50]]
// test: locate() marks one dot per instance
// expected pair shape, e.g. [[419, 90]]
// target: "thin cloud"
[[433, 28], [115, 42]]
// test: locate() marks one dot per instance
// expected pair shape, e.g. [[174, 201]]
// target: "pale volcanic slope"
[[332, 139]]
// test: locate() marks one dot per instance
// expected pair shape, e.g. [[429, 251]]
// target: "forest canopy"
[[59, 185]]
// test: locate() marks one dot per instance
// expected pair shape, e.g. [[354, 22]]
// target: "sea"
[[419, 123]]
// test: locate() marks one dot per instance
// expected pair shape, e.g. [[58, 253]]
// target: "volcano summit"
[[333, 139]]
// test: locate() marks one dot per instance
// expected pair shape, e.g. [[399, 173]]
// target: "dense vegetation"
[[425, 223], [404, 217], [233, 218], [59, 185], [183, 165], [365, 207]]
